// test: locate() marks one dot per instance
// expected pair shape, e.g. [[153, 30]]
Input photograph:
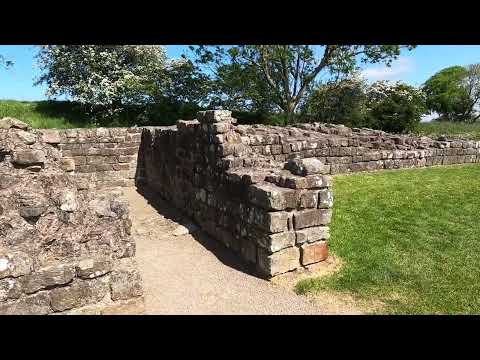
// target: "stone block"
[[78, 293], [90, 268], [311, 217], [276, 242], [325, 199], [312, 234], [272, 222], [37, 304], [313, 253], [304, 167], [46, 277], [279, 262], [271, 197], [51, 136], [67, 164], [29, 157], [308, 199], [15, 264], [125, 281]]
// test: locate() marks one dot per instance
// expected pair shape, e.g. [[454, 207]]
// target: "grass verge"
[[408, 238]]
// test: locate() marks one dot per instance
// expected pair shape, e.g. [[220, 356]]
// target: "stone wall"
[[65, 247], [276, 219], [345, 150], [102, 157], [264, 191]]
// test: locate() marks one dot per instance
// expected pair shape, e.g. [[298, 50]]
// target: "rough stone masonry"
[[263, 191], [64, 247]]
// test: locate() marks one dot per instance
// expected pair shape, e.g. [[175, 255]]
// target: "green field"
[[437, 128], [409, 238], [45, 114]]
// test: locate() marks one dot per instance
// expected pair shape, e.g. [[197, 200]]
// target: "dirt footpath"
[[193, 274]]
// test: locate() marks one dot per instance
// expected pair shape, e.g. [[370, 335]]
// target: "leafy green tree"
[[280, 77], [447, 95], [338, 102], [103, 77], [394, 107], [471, 84]]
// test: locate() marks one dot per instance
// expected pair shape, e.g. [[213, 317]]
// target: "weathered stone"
[[27, 137], [46, 277], [51, 136], [279, 262], [78, 293], [68, 201], [126, 282], [271, 197], [325, 199], [276, 242], [273, 222], [9, 122], [15, 264], [31, 211], [309, 198], [311, 217], [10, 288], [90, 268], [186, 229], [312, 234], [67, 164], [304, 167], [313, 253], [36, 304], [29, 157]]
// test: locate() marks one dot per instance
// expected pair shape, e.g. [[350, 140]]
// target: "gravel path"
[[193, 274]]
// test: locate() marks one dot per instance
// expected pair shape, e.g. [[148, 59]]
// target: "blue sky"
[[413, 67]]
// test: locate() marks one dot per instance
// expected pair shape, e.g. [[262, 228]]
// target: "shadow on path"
[[221, 252]]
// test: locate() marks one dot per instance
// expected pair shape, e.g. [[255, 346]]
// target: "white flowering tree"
[[394, 106], [104, 77]]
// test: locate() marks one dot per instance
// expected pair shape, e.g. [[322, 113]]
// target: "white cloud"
[[403, 65]]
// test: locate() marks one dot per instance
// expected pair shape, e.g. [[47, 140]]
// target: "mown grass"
[[409, 238], [438, 128]]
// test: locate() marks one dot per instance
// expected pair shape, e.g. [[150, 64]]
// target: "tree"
[[103, 77], [338, 102], [285, 74], [447, 94], [4, 62], [394, 107], [471, 84]]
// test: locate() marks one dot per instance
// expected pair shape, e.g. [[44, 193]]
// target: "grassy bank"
[[437, 128], [408, 238]]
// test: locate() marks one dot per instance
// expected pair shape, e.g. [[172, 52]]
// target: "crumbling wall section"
[[64, 248]]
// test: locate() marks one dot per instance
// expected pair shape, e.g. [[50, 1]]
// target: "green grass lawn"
[[409, 238], [437, 128], [45, 114]]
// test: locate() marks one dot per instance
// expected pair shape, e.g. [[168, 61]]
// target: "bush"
[[396, 107]]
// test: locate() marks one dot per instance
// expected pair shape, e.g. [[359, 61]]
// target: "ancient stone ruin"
[[263, 191], [63, 245]]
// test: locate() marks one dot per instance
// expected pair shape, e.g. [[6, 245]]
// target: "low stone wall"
[[345, 150], [275, 219], [264, 191], [64, 246], [102, 157]]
